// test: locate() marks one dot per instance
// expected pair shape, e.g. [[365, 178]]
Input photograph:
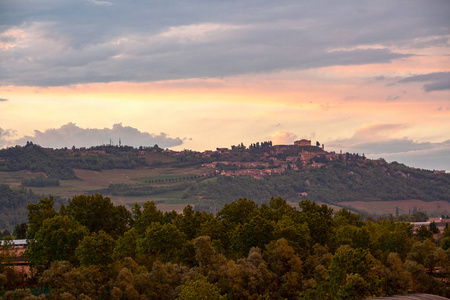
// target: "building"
[[302, 142]]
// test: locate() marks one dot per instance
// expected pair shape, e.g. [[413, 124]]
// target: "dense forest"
[[13, 206], [337, 183], [59, 163], [91, 249]]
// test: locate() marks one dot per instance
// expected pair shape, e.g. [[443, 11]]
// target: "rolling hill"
[[210, 179]]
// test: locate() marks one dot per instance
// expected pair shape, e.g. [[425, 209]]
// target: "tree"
[[296, 234], [199, 288], [204, 252], [424, 233], [319, 220], [344, 216], [240, 211], [99, 213], [20, 231], [96, 249], [38, 213], [257, 281], [126, 245], [418, 216], [388, 236], [428, 254], [397, 280], [433, 227], [445, 243], [256, 233], [282, 260], [187, 222], [350, 274], [57, 239], [123, 286], [147, 216], [67, 282], [163, 242], [162, 282]]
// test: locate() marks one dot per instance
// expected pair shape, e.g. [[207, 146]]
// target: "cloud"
[[51, 44], [283, 138], [392, 98], [436, 156], [379, 141], [377, 131], [6, 133], [101, 3], [437, 81], [6, 136], [71, 135], [3, 100]]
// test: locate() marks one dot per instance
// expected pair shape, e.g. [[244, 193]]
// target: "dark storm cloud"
[[49, 42], [71, 135], [434, 81]]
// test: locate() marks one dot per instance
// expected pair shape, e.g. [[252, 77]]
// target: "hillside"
[[210, 179]]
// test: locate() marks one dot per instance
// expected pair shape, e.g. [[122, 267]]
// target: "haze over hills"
[[208, 180]]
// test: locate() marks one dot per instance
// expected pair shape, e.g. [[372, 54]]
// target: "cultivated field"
[[99, 181]]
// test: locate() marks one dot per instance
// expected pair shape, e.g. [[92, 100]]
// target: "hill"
[[210, 179]]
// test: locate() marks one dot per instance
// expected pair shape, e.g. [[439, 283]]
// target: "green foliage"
[[38, 213], [56, 239], [319, 219], [238, 212], [161, 242], [35, 159], [96, 249], [387, 236], [126, 245], [398, 281], [337, 182], [283, 262], [350, 274], [256, 233], [424, 233], [143, 219], [200, 289], [433, 227], [13, 205], [445, 243], [247, 251], [59, 163], [99, 213], [20, 230]]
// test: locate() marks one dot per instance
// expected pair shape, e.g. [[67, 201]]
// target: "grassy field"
[[165, 202], [15, 178], [93, 181]]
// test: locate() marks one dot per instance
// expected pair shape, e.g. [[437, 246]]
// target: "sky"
[[359, 76]]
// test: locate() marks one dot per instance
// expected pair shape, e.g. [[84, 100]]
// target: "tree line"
[[90, 249]]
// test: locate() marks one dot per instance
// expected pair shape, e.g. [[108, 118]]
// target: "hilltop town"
[[268, 159]]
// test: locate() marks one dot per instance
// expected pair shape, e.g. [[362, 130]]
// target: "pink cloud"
[[283, 137]]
